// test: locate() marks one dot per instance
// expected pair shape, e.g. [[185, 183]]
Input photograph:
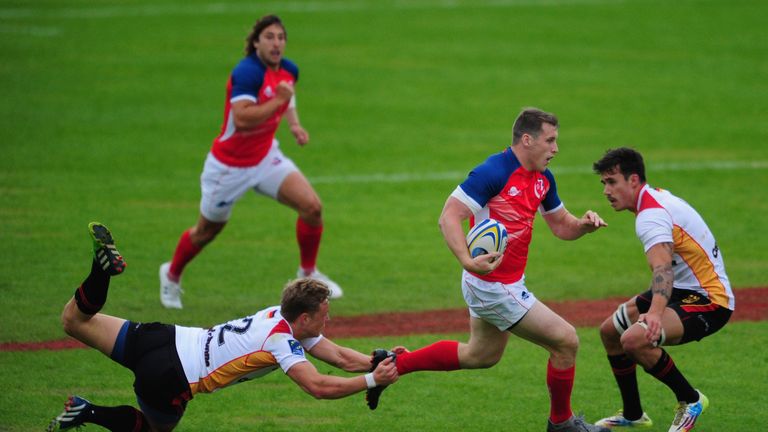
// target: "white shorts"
[[222, 185], [496, 303]]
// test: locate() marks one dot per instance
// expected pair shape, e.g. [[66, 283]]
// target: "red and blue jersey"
[[502, 189], [251, 80]]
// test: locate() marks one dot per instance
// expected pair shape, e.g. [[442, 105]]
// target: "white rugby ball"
[[487, 236]]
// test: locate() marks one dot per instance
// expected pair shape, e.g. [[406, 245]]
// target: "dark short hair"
[[302, 296], [629, 161], [530, 122], [259, 27]]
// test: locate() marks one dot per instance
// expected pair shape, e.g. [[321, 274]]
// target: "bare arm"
[[333, 387], [341, 357], [660, 260], [248, 114], [566, 226], [454, 213], [301, 135]]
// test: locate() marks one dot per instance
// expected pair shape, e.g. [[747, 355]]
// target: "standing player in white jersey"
[[690, 295], [246, 156], [172, 364]]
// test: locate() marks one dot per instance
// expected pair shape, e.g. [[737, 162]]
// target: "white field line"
[[39, 31], [564, 170], [255, 7]]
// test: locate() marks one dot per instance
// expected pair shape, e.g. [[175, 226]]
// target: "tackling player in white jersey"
[[690, 295], [172, 364]]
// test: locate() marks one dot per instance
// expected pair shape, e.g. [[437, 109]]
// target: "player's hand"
[[400, 350], [284, 92], [386, 372], [301, 135], [591, 222], [484, 264], [652, 324]]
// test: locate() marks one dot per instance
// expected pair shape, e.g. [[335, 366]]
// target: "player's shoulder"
[[504, 163], [249, 65], [290, 67]]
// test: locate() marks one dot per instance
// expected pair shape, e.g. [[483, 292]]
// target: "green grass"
[[512, 395], [108, 108]]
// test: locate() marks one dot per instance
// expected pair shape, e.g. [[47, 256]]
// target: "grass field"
[[107, 110]]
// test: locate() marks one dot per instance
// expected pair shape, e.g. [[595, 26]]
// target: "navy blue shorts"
[[161, 387]]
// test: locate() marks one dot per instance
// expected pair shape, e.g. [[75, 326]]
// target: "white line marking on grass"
[[220, 8], [30, 30], [459, 175]]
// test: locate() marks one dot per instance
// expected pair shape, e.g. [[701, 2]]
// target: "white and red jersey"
[[697, 260], [254, 81], [502, 189], [239, 350]]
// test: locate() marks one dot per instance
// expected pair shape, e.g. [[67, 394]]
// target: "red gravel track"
[[751, 305]]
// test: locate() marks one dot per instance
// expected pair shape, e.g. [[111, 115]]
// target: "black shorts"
[[161, 387], [700, 317]]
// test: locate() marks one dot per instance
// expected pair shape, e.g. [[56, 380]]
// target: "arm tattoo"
[[663, 277]]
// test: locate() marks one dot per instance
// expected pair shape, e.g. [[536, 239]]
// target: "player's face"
[[619, 191], [317, 320], [271, 45], [543, 147]]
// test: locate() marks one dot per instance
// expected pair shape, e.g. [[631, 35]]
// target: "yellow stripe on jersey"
[[700, 264], [246, 367]]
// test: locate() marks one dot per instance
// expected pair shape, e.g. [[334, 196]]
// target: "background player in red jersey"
[[246, 156], [172, 364], [690, 295], [511, 187]]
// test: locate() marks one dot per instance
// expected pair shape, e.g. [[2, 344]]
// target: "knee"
[[69, 321], [312, 213], [564, 350], [634, 342]]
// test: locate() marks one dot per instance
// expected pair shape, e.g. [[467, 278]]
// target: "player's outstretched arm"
[[333, 387], [340, 357], [566, 226]]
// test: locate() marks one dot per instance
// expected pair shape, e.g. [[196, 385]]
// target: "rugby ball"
[[487, 236]]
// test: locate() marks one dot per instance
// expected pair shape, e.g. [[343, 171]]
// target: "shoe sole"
[[105, 252]]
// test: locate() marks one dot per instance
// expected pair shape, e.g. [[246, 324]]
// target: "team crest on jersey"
[[539, 188], [692, 298], [295, 347]]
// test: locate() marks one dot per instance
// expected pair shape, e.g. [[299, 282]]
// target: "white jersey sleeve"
[[654, 226], [287, 350]]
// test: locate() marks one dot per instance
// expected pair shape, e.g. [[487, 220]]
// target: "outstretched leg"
[[82, 321]]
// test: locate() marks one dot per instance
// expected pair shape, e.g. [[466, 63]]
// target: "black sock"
[[623, 368], [665, 371], [122, 418], [92, 294]]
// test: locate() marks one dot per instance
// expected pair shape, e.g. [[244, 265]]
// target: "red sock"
[[185, 251], [308, 237], [440, 356], [560, 384]]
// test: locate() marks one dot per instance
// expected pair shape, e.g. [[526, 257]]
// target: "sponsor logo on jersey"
[[268, 92], [296, 347], [513, 191]]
